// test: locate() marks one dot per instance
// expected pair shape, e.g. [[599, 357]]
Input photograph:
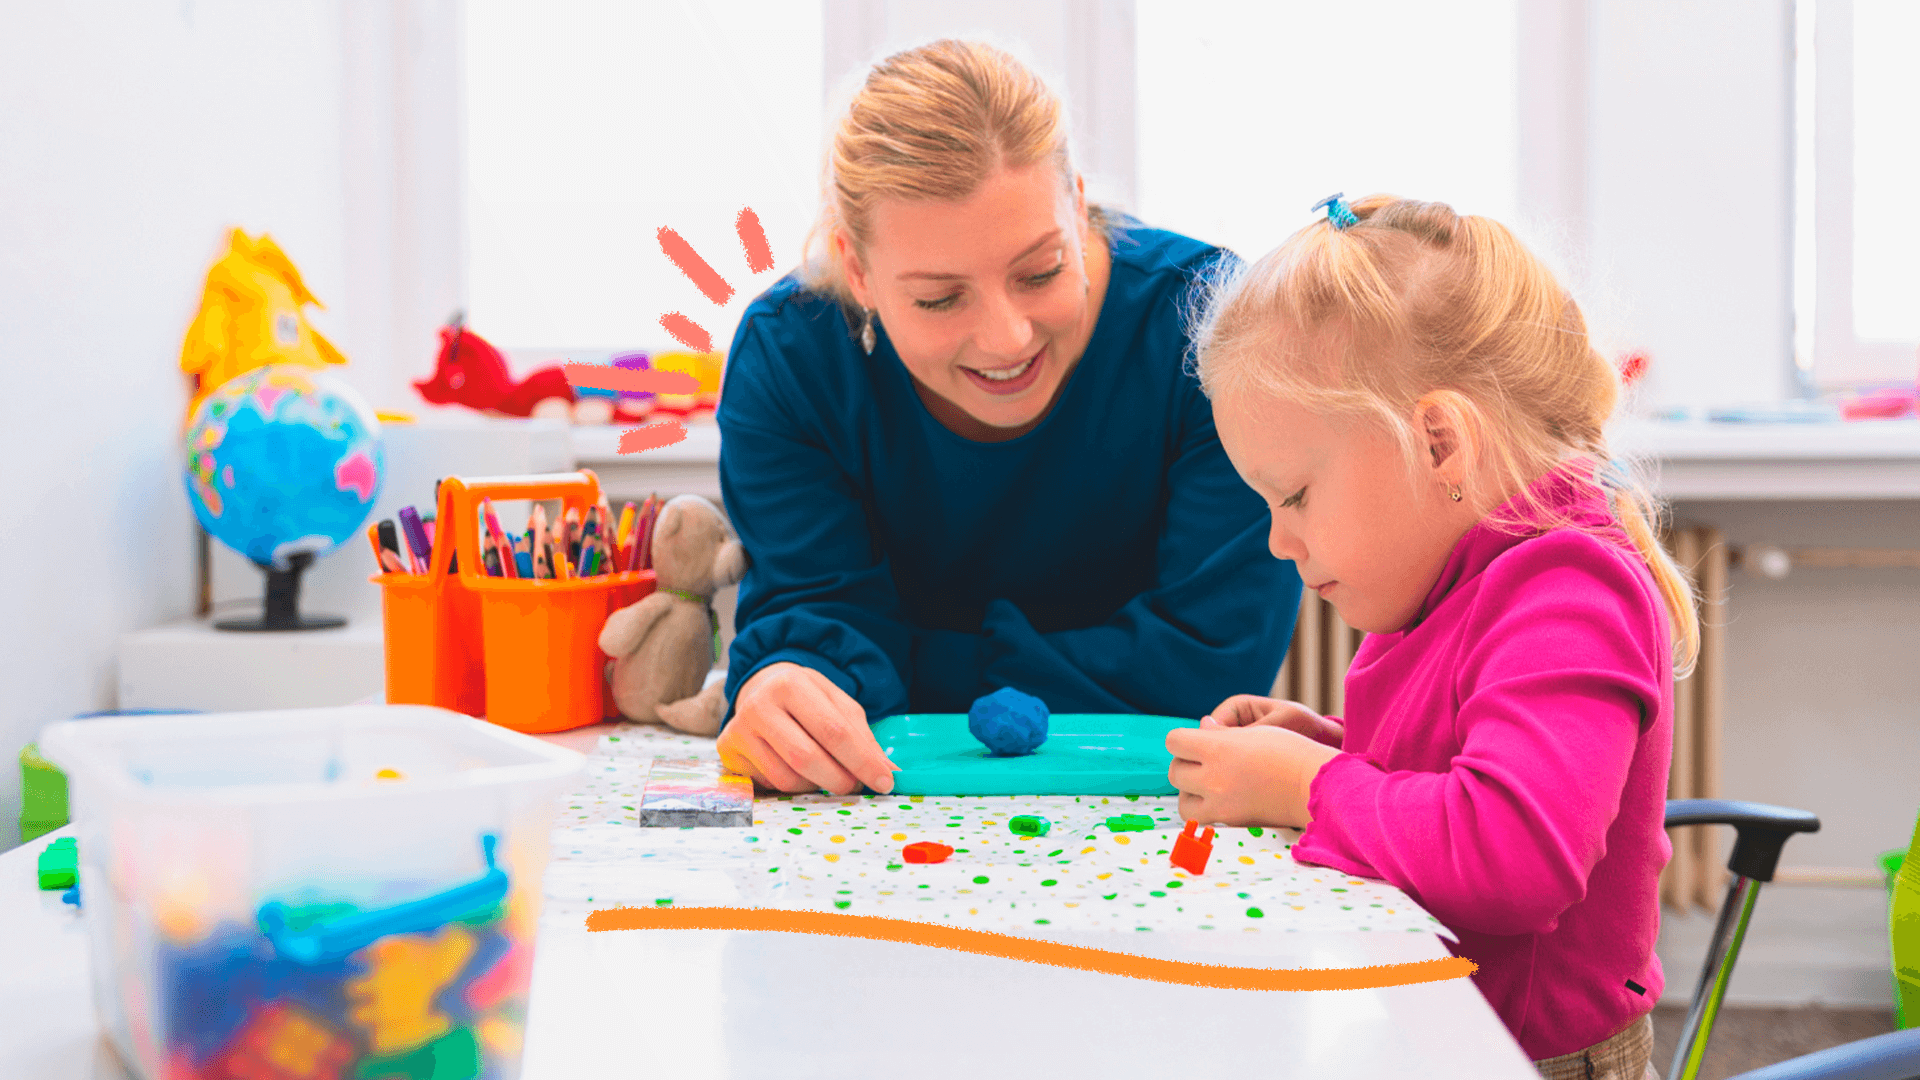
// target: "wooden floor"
[[1747, 1038]]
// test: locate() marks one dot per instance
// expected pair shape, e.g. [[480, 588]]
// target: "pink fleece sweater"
[[1505, 762]]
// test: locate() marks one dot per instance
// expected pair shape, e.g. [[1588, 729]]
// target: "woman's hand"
[[1251, 774], [794, 731], [1247, 710]]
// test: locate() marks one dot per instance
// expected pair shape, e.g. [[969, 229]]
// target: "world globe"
[[283, 465]]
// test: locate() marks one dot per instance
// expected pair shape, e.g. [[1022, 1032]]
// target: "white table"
[[689, 1004]]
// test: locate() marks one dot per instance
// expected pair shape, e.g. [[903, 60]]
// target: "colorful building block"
[[926, 851], [60, 864], [501, 977], [1030, 825], [1190, 852], [1130, 823], [283, 1042], [393, 1002], [453, 1056]]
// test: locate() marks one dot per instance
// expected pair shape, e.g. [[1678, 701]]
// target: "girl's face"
[[987, 300], [1368, 532]]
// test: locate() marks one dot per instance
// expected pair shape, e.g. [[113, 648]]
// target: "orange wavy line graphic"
[[1047, 953]]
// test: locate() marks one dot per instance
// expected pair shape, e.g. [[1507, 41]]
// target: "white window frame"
[[1838, 358]]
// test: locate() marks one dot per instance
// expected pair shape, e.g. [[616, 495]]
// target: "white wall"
[[135, 134], [1084, 49], [592, 124]]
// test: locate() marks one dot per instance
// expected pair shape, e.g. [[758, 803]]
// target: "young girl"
[[1416, 398]]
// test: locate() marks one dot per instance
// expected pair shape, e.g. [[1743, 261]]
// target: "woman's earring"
[[1454, 493], [866, 333]]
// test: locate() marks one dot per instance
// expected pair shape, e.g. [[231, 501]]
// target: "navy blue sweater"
[[1109, 560]]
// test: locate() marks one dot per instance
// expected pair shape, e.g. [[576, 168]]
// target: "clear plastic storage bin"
[[312, 893]]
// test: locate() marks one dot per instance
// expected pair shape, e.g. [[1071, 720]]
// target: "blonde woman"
[[963, 450]]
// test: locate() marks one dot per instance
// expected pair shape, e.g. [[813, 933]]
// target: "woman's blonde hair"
[[931, 123], [1419, 302]]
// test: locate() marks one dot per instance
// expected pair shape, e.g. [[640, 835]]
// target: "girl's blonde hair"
[[1420, 302], [931, 123]]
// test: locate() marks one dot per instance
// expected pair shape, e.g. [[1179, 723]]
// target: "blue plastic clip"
[[337, 938], [1339, 214]]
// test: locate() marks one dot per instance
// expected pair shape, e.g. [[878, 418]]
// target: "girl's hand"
[[1246, 710], [1256, 774], [794, 731]]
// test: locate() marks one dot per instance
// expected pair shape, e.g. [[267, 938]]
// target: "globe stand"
[[283, 602]]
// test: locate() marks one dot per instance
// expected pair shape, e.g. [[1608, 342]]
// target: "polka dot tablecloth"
[[843, 853]]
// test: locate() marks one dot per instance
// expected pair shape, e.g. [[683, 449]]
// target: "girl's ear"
[[1448, 428], [850, 265]]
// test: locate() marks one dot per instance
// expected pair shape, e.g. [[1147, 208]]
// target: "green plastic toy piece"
[[1130, 823], [1030, 825], [453, 1056], [43, 795], [60, 864]]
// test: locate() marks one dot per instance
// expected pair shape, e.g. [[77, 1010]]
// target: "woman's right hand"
[[793, 730], [1248, 710]]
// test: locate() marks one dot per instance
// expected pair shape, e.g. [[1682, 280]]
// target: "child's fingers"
[[1241, 710], [1209, 722], [1188, 777], [1188, 743]]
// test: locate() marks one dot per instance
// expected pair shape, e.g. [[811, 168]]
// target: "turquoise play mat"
[[1085, 754]]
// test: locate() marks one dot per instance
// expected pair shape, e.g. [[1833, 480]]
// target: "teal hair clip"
[[1339, 214]]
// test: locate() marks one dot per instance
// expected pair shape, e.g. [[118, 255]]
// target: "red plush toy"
[[471, 372]]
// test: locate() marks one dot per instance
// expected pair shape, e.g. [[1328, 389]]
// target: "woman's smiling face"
[[988, 300]]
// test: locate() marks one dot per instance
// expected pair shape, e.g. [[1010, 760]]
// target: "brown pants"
[[1626, 1056]]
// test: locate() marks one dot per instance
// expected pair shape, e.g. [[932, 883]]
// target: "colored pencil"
[[645, 543], [522, 558], [416, 535], [390, 543], [575, 523], [562, 557], [630, 550], [539, 543], [499, 539], [625, 530]]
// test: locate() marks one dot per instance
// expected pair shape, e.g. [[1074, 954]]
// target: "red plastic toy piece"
[[926, 851], [282, 1042], [509, 975], [1190, 852]]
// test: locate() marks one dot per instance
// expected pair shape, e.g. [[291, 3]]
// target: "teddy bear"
[[663, 647]]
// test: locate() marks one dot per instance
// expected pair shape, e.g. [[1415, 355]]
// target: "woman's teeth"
[[1005, 374]]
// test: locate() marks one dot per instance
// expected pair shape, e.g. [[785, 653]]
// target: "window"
[[1251, 113], [1857, 171], [591, 124]]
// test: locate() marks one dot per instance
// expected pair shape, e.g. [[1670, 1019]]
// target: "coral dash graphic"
[[753, 242], [604, 377], [1046, 953]]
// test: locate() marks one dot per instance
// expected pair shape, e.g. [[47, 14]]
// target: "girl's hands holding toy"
[[1252, 774], [1249, 710], [795, 731]]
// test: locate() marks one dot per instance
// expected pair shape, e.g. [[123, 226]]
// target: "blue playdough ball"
[[1009, 722]]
